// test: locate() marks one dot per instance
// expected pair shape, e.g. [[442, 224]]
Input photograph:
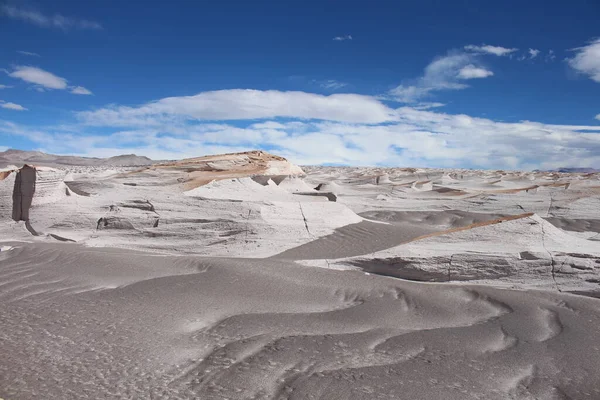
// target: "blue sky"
[[474, 84]]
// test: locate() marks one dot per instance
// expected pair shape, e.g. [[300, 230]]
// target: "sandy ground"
[[133, 282]]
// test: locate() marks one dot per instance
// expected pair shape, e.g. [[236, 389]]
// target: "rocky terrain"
[[244, 276]]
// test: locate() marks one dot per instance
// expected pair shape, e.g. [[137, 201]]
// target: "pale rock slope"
[[214, 205], [194, 172]]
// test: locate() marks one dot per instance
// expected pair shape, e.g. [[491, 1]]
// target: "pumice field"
[[244, 276]]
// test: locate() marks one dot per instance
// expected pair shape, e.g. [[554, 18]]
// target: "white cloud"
[[342, 38], [417, 138], [598, 117], [487, 49], [344, 129], [587, 60], [12, 106], [268, 125], [551, 56], [332, 84], [47, 21], [473, 72], [533, 53], [45, 80], [411, 93], [5, 87], [239, 104], [80, 90], [28, 53], [443, 73], [427, 105], [39, 77]]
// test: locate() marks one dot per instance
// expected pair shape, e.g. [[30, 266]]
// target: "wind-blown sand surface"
[[140, 283]]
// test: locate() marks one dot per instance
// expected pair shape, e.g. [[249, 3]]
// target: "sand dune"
[[140, 325], [368, 237], [243, 276]]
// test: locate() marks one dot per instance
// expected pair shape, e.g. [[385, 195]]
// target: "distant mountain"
[[126, 160], [20, 157], [576, 170]]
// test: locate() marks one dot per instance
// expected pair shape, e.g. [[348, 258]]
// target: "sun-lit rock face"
[[198, 171], [228, 204], [28, 187], [7, 184]]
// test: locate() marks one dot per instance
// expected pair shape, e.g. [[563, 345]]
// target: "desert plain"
[[244, 276]]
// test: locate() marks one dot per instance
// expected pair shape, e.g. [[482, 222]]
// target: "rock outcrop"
[[23, 192], [198, 171]]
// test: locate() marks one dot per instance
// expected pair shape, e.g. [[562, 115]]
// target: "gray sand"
[[101, 323], [368, 237], [575, 225]]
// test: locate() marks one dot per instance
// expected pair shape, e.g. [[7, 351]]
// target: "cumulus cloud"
[[598, 117], [47, 21], [28, 53], [443, 73], [12, 106], [239, 104], [342, 38], [533, 53], [80, 90], [38, 76], [313, 129], [587, 60], [487, 49], [473, 72]]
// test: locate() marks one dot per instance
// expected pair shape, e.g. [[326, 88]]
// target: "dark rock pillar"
[[23, 193]]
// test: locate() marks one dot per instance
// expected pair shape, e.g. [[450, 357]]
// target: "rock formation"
[[23, 193]]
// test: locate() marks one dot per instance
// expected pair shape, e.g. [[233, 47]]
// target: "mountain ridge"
[[21, 157]]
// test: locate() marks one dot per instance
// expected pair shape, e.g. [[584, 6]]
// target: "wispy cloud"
[[80, 90], [444, 73], [473, 72], [332, 84], [587, 60], [427, 105], [12, 106], [44, 80], [47, 21], [342, 38], [28, 53], [5, 87], [38, 76], [533, 53], [487, 49], [551, 56]]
